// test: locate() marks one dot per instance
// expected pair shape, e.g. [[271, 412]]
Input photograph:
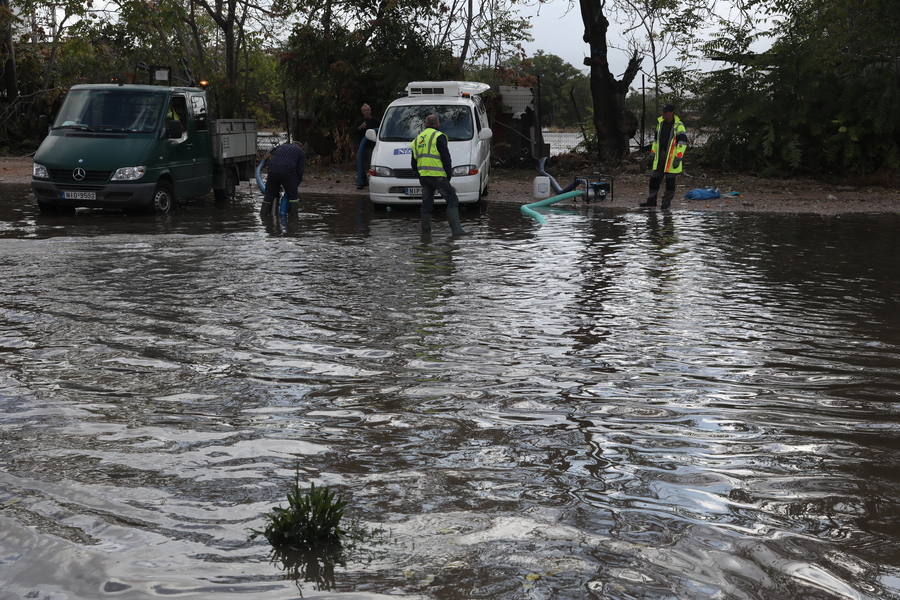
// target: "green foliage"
[[565, 90], [822, 100], [336, 71], [311, 519]]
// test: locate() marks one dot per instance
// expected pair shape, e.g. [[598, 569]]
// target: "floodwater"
[[616, 405]]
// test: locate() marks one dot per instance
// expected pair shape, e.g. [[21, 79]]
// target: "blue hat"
[[668, 107]]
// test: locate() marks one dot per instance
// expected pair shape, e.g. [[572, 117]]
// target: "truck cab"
[[392, 180], [135, 146]]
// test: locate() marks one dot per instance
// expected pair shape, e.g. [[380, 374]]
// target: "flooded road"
[[615, 405]]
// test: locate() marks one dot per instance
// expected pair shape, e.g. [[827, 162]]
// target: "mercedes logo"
[[79, 173]]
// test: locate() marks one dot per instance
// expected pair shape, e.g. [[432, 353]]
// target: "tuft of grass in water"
[[311, 519]]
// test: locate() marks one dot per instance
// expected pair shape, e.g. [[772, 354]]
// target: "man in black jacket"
[[285, 170]]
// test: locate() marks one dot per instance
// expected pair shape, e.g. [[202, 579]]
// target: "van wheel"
[[227, 192], [164, 198]]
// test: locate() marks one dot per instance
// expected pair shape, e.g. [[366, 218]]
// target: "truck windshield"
[[135, 111], [404, 123]]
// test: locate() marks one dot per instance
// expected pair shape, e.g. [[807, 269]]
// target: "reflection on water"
[[614, 405]]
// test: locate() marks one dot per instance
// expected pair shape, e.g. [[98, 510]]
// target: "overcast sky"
[[556, 32], [559, 32]]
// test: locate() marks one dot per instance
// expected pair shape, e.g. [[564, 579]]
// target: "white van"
[[392, 180]]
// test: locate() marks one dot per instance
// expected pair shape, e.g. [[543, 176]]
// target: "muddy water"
[[616, 405]]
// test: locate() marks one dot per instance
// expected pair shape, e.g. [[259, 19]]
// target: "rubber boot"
[[453, 221], [294, 208], [668, 194], [265, 209], [667, 199], [426, 222], [654, 191]]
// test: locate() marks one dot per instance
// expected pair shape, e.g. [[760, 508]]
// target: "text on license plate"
[[80, 195], [417, 191]]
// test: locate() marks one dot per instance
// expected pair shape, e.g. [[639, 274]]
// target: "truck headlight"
[[129, 173], [465, 170], [39, 171], [383, 171]]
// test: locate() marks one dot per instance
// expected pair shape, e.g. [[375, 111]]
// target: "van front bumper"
[[391, 190], [110, 195]]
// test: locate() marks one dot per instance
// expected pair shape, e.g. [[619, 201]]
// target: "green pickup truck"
[[139, 146]]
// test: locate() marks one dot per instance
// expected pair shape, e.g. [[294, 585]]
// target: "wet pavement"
[[616, 405]]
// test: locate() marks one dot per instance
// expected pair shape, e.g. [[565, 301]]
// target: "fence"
[[562, 142], [266, 140]]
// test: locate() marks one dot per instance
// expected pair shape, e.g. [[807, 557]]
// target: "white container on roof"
[[455, 89]]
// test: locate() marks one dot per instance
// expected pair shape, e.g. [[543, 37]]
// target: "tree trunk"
[[615, 125], [10, 79], [464, 54]]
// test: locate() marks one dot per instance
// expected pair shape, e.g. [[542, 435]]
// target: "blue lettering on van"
[[402, 151]]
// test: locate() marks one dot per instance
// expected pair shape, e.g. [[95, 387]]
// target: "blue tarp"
[[702, 194]]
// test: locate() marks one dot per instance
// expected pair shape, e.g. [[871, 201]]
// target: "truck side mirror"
[[372, 135], [174, 129], [485, 134]]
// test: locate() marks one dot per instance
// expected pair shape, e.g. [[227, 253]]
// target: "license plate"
[[417, 191], [80, 195]]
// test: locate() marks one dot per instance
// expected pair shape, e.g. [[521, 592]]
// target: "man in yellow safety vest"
[[431, 160], [667, 153]]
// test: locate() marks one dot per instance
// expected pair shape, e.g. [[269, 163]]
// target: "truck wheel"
[[164, 198], [227, 192]]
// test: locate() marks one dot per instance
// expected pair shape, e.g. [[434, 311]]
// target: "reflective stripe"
[[425, 151]]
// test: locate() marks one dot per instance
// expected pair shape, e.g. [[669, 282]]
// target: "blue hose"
[[553, 182], [528, 211]]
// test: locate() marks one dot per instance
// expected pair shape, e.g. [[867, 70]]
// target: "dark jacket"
[[287, 159]]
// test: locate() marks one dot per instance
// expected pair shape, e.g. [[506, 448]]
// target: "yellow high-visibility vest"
[[425, 151], [674, 153]]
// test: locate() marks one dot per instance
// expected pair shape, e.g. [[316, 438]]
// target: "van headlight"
[[39, 171], [383, 171], [129, 173], [465, 170]]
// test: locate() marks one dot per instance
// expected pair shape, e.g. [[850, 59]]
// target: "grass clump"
[[311, 519]]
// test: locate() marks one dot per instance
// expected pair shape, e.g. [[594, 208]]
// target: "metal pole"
[[643, 109]]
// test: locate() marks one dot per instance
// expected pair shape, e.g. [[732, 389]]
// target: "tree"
[[668, 27], [10, 79], [336, 65], [821, 100], [614, 123]]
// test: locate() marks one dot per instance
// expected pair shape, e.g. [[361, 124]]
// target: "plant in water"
[[311, 519]]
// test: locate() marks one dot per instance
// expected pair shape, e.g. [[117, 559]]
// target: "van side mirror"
[[174, 129], [44, 124], [372, 135], [485, 134]]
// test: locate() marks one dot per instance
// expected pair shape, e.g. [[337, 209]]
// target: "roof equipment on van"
[[454, 89]]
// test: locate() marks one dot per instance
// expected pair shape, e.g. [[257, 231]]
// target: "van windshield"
[[404, 123], [111, 110]]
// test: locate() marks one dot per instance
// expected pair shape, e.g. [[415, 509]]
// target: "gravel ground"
[[629, 189]]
